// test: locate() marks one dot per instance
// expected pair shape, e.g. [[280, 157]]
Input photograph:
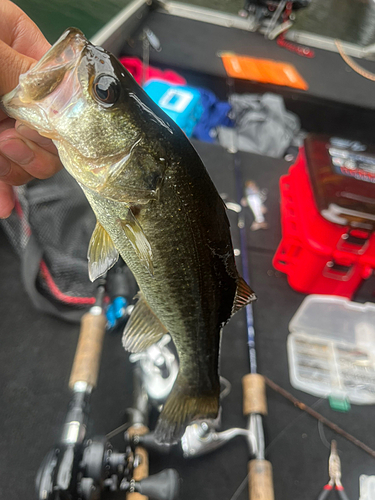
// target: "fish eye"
[[106, 89]]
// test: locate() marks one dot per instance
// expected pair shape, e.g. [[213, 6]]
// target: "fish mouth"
[[24, 102]]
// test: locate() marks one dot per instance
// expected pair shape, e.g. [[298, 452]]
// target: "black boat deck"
[[338, 101], [37, 350], [194, 45]]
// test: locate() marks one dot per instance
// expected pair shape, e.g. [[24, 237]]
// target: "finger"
[[27, 133], [13, 174], [6, 200], [33, 159], [6, 124], [19, 32], [32, 135], [12, 65]]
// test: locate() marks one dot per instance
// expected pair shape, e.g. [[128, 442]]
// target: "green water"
[[349, 20], [54, 16]]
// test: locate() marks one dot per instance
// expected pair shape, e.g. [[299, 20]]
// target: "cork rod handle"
[[87, 358], [254, 394], [260, 480]]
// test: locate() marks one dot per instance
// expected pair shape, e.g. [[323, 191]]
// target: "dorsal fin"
[[138, 240], [102, 254], [143, 328], [244, 295]]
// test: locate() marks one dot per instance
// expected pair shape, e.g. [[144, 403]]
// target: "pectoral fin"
[[138, 240], [143, 328], [102, 254], [244, 295]]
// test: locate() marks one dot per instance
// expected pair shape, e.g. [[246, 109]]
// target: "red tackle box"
[[318, 255]]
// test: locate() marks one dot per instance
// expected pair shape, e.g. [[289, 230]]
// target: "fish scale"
[[183, 269]]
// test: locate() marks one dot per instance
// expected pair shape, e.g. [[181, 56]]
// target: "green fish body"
[[155, 205]]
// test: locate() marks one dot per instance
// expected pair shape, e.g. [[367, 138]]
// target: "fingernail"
[[17, 151], [6, 216], [32, 135], [4, 166]]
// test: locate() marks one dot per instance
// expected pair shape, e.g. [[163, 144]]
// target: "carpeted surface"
[[37, 353]]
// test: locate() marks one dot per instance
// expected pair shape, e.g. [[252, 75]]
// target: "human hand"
[[24, 154]]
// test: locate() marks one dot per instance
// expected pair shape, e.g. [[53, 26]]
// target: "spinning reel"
[[156, 370]]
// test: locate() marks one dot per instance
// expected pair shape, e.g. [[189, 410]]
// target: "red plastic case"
[[317, 255]]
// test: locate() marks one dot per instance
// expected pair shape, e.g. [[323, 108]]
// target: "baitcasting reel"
[[85, 472], [78, 468]]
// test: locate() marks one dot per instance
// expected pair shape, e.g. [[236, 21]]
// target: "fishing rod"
[[253, 384], [82, 468]]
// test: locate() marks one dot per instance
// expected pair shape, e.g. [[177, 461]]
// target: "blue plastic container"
[[181, 103]]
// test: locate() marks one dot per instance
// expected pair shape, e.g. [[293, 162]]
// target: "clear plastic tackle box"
[[331, 349]]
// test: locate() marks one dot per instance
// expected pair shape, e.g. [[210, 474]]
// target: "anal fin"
[[101, 254], [184, 404], [244, 295], [143, 327]]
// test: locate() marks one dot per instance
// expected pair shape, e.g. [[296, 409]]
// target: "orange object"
[[263, 71]]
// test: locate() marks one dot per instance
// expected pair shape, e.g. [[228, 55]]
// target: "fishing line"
[[319, 417], [322, 435], [291, 424], [227, 387], [240, 489]]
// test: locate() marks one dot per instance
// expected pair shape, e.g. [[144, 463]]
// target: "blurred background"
[[350, 20]]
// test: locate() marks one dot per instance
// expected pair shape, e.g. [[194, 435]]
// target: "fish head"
[[81, 97]]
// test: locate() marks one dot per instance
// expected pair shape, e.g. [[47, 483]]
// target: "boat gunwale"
[[114, 28]]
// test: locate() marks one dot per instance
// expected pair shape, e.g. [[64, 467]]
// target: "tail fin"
[[185, 404]]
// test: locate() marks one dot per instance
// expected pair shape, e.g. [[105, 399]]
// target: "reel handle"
[[148, 442], [87, 358]]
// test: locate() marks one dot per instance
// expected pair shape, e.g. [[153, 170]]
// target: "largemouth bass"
[[155, 205]]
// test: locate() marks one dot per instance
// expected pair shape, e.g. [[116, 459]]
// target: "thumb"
[[12, 65]]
